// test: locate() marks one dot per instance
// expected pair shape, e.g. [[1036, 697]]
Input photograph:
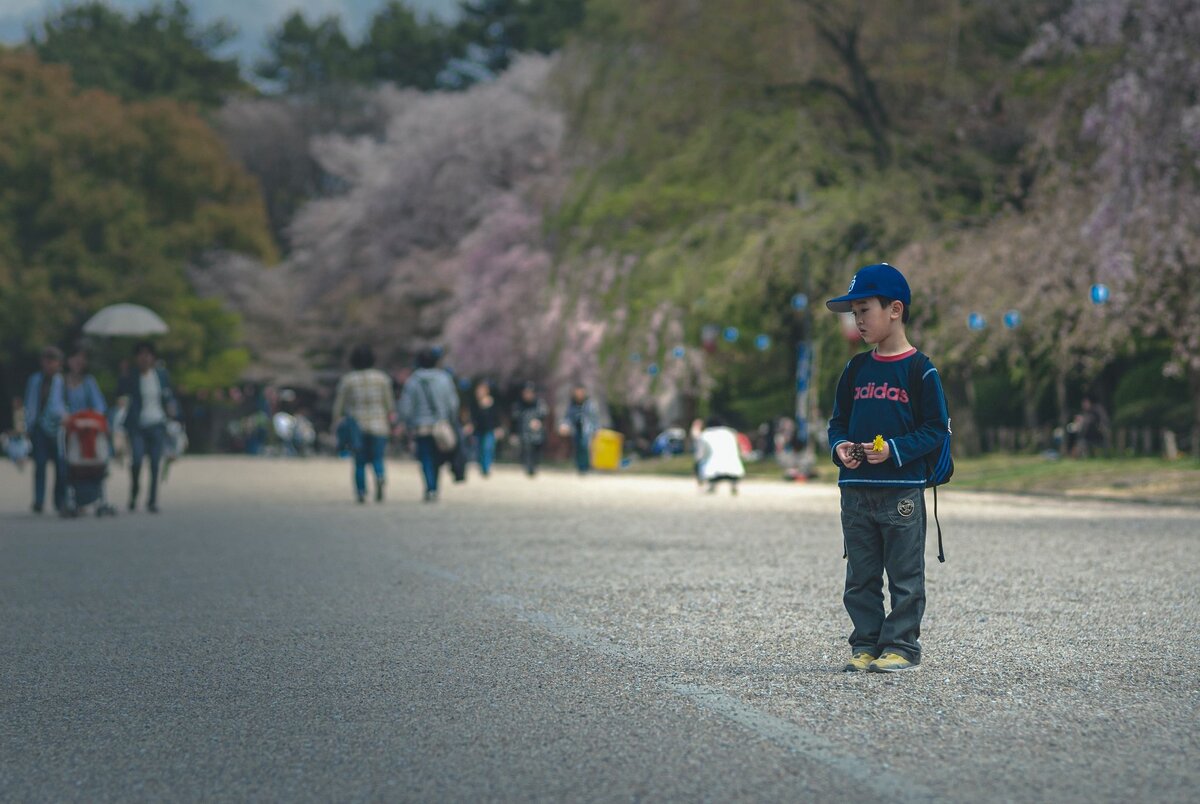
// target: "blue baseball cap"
[[873, 280]]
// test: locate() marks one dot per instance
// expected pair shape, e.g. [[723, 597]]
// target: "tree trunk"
[[1029, 404], [968, 427], [862, 97], [1060, 394], [1194, 384]]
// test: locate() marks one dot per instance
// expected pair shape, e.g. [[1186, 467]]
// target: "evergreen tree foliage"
[[304, 56], [159, 52], [499, 29], [405, 49]]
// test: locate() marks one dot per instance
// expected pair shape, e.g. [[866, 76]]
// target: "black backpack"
[[939, 470]]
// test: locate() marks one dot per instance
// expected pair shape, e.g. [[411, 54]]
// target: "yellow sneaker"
[[892, 663], [858, 662]]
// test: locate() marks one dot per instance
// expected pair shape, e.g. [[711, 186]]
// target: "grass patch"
[[1127, 478], [1134, 478]]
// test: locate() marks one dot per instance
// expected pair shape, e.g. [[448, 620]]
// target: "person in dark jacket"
[[151, 404], [580, 425], [484, 425], [529, 424], [880, 439], [45, 408]]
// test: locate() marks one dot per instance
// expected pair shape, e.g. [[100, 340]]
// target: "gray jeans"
[[884, 529]]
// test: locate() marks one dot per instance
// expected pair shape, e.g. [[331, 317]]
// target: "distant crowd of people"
[[429, 412], [64, 423], [371, 410]]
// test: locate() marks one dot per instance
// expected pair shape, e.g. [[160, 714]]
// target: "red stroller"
[[86, 452]]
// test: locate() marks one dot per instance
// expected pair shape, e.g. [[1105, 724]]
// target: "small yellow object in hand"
[[878, 445]]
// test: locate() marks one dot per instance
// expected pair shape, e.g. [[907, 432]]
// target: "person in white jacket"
[[719, 457]]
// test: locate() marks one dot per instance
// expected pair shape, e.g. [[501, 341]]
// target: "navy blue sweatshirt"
[[879, 405]]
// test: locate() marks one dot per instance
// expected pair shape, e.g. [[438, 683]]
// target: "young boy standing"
[[883, 433]]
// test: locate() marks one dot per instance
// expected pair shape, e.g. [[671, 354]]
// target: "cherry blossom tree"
[[1126, 218], [1142, 227], [503, 276], [453, 185]]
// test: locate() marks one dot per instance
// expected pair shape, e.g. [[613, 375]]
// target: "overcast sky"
[[253, 18]]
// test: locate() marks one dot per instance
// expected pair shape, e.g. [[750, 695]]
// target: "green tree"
[[102, 201], [407, 50], [499, 29], [158, 52], [303, 57]]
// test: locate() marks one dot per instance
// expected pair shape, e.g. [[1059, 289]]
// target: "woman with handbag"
[[428, 408], [362, 413]]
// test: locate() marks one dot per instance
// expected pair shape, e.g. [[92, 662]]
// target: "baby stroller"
[[86, 451]]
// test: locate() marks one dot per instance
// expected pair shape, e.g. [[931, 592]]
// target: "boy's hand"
[[845, 456], [882, 455]]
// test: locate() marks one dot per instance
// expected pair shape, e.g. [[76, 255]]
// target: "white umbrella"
[[125, 319]]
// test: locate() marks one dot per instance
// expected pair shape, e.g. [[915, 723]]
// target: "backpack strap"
[[916, 391], [916, 382]]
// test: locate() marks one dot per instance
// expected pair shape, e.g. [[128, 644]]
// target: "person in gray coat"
[[429, 396]]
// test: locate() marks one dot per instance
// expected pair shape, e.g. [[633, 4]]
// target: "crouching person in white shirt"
[[719, 457]]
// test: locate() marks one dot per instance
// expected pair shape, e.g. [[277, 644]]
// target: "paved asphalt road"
[[604, 638]]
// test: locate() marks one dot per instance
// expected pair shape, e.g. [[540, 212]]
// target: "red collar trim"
[[893, 358]]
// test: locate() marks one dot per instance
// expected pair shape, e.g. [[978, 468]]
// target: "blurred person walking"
[[45, 408], [82, 390], [428, 409], [363, 407], [580, 425], [151, 404], [485, 425], [87, 442], [529, 424]]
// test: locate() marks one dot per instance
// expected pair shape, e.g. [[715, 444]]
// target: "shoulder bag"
[[444, 434]]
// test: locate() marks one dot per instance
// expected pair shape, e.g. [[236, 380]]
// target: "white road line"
[[860, 774]]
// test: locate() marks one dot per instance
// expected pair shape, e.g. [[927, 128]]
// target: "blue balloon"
[[652, 369], [731, 334], [1100, 293], [763, 342], [976, 321], [678, 352], [799, 301], [1012, 319]]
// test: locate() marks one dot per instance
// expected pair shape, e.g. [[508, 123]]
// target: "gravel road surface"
[[604, 638]]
